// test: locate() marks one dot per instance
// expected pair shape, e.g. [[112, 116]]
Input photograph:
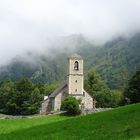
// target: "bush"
[[71, 106]]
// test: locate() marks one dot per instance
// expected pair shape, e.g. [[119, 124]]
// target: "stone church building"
[[72, 87]]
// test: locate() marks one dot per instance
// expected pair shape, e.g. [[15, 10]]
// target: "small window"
[[75, 90], [76, 65], [75, 81]]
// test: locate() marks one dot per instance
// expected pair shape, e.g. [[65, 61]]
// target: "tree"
[[24, 89], [99, 90], [19, 98], [32, 105], [41, 87], [132, 91], [50, 88], [71, 105], [46, 89], [116, 98], [7, 92], [94, 83]]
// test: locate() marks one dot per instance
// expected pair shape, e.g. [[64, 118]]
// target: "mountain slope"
[[115, 61], [118, 60]]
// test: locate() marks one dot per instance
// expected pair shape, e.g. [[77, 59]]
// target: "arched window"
[[76, 65]]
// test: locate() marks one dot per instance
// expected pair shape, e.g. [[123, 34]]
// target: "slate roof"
[[58, 90]]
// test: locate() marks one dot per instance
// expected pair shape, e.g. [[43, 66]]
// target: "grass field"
[[118, 124]]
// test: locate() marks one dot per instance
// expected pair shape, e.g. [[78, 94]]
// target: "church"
[[73, 86]]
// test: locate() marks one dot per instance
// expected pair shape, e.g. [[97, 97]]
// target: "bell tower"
[[75, 75]]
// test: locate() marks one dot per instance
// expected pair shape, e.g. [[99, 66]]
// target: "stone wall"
[[54, 104], [88, 101], [58, 100], [46, 106]]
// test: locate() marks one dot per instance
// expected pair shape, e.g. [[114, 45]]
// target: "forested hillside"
[[115, 61], [118, 59]]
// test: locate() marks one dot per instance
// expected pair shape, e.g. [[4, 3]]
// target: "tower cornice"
[[75, 74]]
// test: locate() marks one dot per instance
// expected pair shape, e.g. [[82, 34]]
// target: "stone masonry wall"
[[88, 101]]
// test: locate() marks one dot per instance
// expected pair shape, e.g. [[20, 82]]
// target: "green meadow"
[[122, 123]]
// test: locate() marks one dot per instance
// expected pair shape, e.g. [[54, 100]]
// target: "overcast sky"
[[31, 24]]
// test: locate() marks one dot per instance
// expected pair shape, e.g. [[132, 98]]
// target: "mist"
[[34, 25]]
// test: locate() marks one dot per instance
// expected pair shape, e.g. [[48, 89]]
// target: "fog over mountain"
[[38, 24]]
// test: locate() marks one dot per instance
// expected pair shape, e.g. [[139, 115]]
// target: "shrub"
[[71, 106]]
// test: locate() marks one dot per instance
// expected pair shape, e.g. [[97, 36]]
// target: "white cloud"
[[28, 24]]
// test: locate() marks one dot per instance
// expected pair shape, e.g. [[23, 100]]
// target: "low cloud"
[[34, 24]]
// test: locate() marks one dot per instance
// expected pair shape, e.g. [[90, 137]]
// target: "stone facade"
[[75, 75], [88, 101], [46, 106], [58, 99], [72, 87]]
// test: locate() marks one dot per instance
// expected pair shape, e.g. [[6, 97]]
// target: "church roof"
[[59, 89], [75, 56]]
